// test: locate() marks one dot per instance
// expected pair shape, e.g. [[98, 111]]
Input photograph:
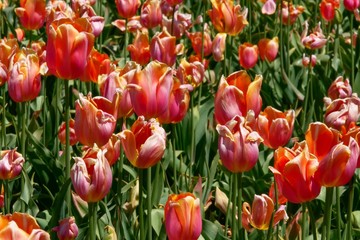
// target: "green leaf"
[[157, 216]]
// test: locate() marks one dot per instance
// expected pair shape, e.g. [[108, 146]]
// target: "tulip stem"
[[23, 143], [44, 111], [303, 222], [327, 214], [7, 196], [67, 145], [57, 117], [234, 224], [193, 147], [229, 206], [149, 203], [338, 214], [239, 204], [125, 40], [173, 141], [92, 220], [352, 50], [119, 186], [312, 222], [3, 120], [141, 203], [350, 206]]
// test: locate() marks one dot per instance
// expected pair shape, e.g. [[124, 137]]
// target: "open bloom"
[[226, 17], [21, 226], [95, 120], [98, 64], [144, 144], [183, 217], [178, 24], [190, 72], [290, 12], [31, 13], [328, 8], [91, 176], [275, 127], [67, 229], [8, 47], [11, 163], [248, 55], [269, 7], [151, 15], [268, 48], [314, 40], [238, 145], [140, 48], [259, 214], [339, 88], [237, 95]]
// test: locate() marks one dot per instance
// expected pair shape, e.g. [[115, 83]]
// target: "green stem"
[[3, 120], [57, 114], [352, 80], [119, 194], [193, 148], [250, 21], [350, 206], [229, 206], [306, 99], [7, 196], [239, 204], [141, 203], [338, 214], [44, 111], [312, 221], [149, 204], [327, 214], [92, 220], [173, 141], [303, 222], [234, 224], [23, 143], [67, 145], [126, 41]]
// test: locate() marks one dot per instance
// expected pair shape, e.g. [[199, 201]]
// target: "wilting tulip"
[[183, 217], [114, 86], [127, 8], [144, 144], [218, 46], [259, 214], [163, 48], [339, 88], [91, 176], [238, 145], [98, 64], [315, 40], [178, 103], [269, 7], [109, 233], [178, 24], [328, 8], [150, 90], [151, 15], [268, 48], [227, 18], [306, 60], [197, 39], [191, 73], [72, 135], [67, 229], [275, 127], [21, 226], [11, 163], [31, 13], [24, 81], [68, 47], [248, 55], [237, 95], [351, 5], [140, 49], [290, 13], [95, 120], [294, 171]]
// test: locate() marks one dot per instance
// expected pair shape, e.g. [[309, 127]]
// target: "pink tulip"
[[351, 5], [67, 229], [339, 88], [248, 55], [314, 40], [127, 8], [218, 46], [190, 73], [11, 163], [151, 15]]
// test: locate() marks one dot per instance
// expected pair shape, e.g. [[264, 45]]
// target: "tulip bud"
[[62, 133], [67, 229], [268, 48], [127, 8], [31, 13], [218, 46], [248, 55], [351, 5], [11, 163], [328, 8]]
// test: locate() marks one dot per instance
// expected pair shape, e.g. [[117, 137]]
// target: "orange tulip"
[[94, 120], [150, 90], [294, 171], [183, 217], [353, 133], [11, 163], [68, 47], [151, 15], [259, 214], [237, 95], [21, 226], [191, 73], [339, 88], [227, 18], [31, 13], [268, 48], [328, 8], [196, 39], [8, 47], [127, 8], [98, 64], [24, 81], [238, 145], [67, 229], [140, 49], [248, 55], [275, 127], [62, 133], [91, 175], [144, 144]]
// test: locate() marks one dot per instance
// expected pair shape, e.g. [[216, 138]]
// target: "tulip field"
[[180, 119]]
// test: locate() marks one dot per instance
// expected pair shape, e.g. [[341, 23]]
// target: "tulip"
[[197, 39], [94, 120], [353, 133], [144, 144], [218, 47], [98, 64], [21, 226], [268, 48], [140, 49], [275, 127], [11, 163], [91, 176], [191, 73], [127, 8], [150, 89], [238, 145], [62, 133], [306, 60], [248, 55], [178, 103], [280, 197], [269, 7], [227, 18], [68, 48], [183, 217], [315, 40], [173, 2], [178, 24], [294, 171], [114, 85], [351, 5], [163, 47], [31, 13], [151, 15], [67, 229], [7, 49], [339, 88], [25, 81], [328, 8], [237, 95], [290, 13], [259, 214]]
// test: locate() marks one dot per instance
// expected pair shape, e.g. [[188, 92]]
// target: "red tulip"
[[62, 133], [67, 229], [91, 176], [306, 60], [351, 5], [127, 8], [183, 217], [98, 64], [238, 145], [268, 48], [11, 163], [31, 13], [196, 39], [144, 144], [328, 8], [353, 133], [140, 49], [248, 55]]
